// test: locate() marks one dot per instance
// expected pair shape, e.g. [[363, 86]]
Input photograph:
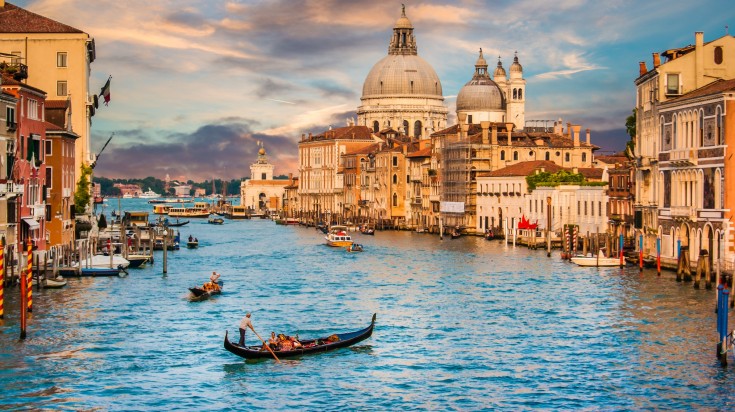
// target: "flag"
[[105, 92]]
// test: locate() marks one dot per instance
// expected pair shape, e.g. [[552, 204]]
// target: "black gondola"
[[177, 223], [319, 345]]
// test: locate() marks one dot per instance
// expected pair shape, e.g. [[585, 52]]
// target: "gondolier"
[[244, 324]]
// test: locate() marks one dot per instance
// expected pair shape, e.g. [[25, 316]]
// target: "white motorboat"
[[599, 260], [150, 194], [102, 261]]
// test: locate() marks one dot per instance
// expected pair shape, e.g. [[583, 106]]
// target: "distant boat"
[[150, 194], [338, 237], [599, 260], [128, 196]]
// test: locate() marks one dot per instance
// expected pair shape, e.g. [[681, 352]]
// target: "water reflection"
[[462, 324]]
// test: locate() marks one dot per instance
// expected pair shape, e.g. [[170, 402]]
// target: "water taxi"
[[599, 260], [187, 212], [338, 237], [161, 209], [236, 212]]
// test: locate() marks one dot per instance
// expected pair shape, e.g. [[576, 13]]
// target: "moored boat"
[[324, 344], [599, 260], [338, 237]]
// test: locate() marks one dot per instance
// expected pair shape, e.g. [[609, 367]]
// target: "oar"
[[266, 345]]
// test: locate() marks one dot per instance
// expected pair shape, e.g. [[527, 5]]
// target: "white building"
[[261, 192], [402, 90], [585, 206]]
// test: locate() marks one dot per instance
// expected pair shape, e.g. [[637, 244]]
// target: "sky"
[[197, 84]]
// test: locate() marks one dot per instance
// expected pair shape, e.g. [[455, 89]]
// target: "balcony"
[[11, 188], [38, 211], [684, 157], [416, 200], [683, 211]]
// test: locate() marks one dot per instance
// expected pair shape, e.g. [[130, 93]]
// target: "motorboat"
[[338, 237], [103, 261], [150, 194], [599, 260], [215, 220]]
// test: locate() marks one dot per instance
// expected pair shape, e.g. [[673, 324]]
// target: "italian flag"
[[105, 92]]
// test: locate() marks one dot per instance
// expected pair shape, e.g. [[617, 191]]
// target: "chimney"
[[698, 59], [589, 140], [509, 127], [558, 127], [494, 135], [569, 130], [656, 60], [485, 126], [575, 129], [642, 68], [290, 175]]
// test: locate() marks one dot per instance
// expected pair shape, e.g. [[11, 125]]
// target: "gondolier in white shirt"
[[244, 324]]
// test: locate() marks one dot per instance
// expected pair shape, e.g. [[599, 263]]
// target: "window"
[[672, 83], [530, 154], [405, 127], [566, 157], [395, 179], [599, 208], [376, 126], [515, 94], [49, 175], [32, 109], [61, 88], [701, 128], [395, 200], [718, 127], [520, 94], [262, 176], [395, 161], [515, 155], [469, 119], [48, 147], [502, 155], [718, 55], [61, 59], [547, 157], [417, 128], [584, 157], [10, 117]]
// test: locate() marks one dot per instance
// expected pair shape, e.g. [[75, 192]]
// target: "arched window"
[[376, 126], [515, 155], [520, 94], [395, 179], [584, 157], [405, 127], [718, 55], [417, 129], [675, 136], [566, 157], [395, 199], [502, 155], [548, 156], [701, 128], [515, 94]]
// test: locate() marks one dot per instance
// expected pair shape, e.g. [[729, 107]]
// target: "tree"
[[630, 123], [82, 195]]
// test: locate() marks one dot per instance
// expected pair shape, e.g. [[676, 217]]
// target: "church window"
[[701, 128], [520, 94], [262, 176], [405, 127], [417, 129], [584, 157], [376, 126], [515, 155], [548, 156], [469, 119], [566, 157], [530, 154], [502, 155], [558, 154], [718, 55], [515, 94]]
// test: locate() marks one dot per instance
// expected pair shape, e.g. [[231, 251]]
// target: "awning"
[[32, 224]]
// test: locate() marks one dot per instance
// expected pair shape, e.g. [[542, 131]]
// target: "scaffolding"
[[456, 170]]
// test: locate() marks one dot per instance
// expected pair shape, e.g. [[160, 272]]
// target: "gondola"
[[309, 346], [199, 294], [178, 223]]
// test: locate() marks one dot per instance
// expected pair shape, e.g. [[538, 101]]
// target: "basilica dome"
[[481, 93], [402, 74]]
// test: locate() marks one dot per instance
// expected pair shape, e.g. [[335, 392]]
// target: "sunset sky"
[[196, 84]]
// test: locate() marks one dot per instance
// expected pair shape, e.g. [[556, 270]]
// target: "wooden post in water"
[[548, 226], [165, 251], [29, 276], [2, 279]]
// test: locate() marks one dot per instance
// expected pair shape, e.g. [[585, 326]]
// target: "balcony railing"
[[684, 157], [682, 211]]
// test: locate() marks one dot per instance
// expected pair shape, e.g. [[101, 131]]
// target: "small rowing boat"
[[325, 344], [202, 293]]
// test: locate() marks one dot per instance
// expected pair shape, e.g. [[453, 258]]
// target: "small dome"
[[499, 71], [481, 60], [480, 95], [516, 67], [403, 22]]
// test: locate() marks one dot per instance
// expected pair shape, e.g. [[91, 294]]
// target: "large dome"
[[403, 75]]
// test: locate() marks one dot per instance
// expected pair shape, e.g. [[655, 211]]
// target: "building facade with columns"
[[261, 193]]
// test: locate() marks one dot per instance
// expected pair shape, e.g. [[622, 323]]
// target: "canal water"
[[462, 324]]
